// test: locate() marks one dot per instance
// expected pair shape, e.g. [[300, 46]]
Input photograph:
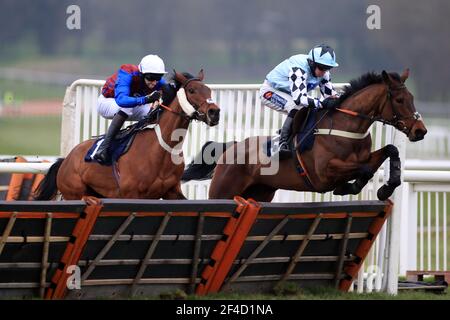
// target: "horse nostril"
[[214, 114], [420, 134]]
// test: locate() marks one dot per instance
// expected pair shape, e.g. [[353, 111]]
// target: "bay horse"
[[148, 169], [340, 153]]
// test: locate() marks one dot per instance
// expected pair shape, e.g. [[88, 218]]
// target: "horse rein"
[[196, 115]]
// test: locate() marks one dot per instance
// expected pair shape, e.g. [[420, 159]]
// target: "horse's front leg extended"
[[362, 173], [394, 181], [366, 171]]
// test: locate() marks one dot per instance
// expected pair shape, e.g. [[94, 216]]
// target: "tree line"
[[239, 40]]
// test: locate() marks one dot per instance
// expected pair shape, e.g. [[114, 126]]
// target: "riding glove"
[[329, 103], [152, 97]]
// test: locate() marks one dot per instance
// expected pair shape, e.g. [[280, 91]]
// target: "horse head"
[[195, 99], [401, 112]]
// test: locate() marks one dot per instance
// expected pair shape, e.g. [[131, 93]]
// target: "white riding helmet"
[[152, 64]]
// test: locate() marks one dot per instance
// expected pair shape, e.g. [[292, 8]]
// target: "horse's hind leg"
[[70, 183], [229, 181], [74, 190], [174, 194]]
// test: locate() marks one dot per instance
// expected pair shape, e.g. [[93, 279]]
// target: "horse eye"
[[191, 91], [399, 100]]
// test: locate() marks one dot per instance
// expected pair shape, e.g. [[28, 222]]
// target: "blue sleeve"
[[122, 91]]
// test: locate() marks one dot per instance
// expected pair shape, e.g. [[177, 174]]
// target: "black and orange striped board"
[[18, 186], [147, 247]]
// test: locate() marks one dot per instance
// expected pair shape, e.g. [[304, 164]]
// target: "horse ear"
[[179, 77], [201, 75], [404, 75], [386, 77]]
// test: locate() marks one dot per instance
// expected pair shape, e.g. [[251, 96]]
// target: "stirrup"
[[101, 157]]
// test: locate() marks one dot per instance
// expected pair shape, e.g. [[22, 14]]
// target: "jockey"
[[286, 87], [129, 94]]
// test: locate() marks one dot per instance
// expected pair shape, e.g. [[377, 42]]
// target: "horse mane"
[[364, 81], [170, 91]]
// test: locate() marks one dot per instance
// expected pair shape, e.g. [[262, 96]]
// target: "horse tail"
[[47, 188], [204, 163]]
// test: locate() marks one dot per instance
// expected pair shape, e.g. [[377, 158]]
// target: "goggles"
[[153, 76], [322, 67]]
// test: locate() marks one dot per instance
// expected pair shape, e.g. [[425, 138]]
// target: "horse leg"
[[366, 171], [174, 194], [73, 189], [229, 181], [69, 181], [259, 192], [394, 181]]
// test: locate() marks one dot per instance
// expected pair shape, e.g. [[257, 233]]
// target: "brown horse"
[[150, 169], [337, 157]]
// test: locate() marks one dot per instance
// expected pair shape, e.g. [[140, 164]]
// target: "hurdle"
[[138, 248]]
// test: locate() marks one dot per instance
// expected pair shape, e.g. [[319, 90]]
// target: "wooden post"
[[197, 246], [44, 263], [343, 249], [256, 252], [302, 248], [7, 231], [149, 253], [108, 246]]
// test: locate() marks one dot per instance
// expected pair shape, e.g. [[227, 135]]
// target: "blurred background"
[[235, 42]]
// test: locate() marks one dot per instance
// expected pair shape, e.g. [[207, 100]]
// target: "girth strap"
[[340, 133]]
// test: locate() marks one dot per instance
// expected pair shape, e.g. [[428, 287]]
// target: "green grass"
[[30, 135], [316, 293], [18, 91]]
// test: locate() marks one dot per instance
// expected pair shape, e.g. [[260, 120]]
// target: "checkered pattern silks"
[[326, 86], [299, 89]]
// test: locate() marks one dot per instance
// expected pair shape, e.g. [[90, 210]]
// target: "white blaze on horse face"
[[184, 103]]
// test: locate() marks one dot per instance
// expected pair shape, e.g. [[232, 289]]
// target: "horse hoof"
[[394, 184], [384, 192]]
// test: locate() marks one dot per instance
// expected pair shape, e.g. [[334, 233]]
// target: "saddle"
[[303, 129], [302, 138], [124, 139]]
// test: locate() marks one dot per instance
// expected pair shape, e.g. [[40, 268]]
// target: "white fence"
[[436, 144]]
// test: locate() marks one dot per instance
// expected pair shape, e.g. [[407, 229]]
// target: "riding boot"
[[286, 131], [103, 153]]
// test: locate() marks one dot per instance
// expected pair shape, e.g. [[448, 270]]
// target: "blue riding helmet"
[[324, 55]]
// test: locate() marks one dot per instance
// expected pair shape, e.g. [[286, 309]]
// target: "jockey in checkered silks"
[[287, 86]]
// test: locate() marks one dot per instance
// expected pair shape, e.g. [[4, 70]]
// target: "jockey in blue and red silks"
[[129, 94], [286, 87]]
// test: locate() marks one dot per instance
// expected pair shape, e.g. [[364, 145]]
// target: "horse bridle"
[[197, 114], [397, 121]]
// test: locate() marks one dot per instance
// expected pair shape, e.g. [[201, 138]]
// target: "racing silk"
[[293, 76], [128, 87]]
